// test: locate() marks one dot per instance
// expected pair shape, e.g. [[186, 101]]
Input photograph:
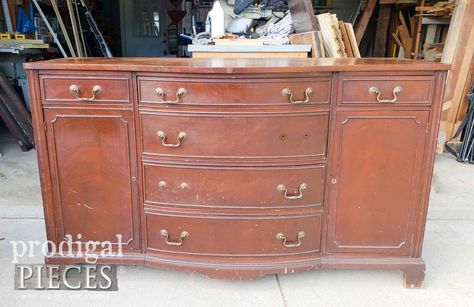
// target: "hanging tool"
[[466, 151], [50, 29], [63, 28], [96, 32]]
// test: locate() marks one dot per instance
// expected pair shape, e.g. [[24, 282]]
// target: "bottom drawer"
[[234, 236]]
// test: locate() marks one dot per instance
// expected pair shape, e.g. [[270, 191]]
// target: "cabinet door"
[[93, 163], [375, 181]]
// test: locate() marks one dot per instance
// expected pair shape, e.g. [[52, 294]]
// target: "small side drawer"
[[233, 236], [385, 90], [234, 187], [281, 92], [85, 89]]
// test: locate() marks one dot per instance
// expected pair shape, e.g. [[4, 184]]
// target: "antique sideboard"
[[239, 168]]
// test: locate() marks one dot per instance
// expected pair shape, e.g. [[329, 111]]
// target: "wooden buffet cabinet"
[[240, 168]]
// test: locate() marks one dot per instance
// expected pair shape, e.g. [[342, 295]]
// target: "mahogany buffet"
[[240, 168]]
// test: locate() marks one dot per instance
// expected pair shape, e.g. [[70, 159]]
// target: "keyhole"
[[283, 137]]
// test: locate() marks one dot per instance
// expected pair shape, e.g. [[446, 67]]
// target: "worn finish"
[[240, 168]]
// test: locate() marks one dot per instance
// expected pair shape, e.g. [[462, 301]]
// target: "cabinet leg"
[[414, 276]]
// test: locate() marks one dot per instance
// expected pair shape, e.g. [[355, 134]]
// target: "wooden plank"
[[333, 44], [25, 41], [12, 7], [320, 44], [54, 4], [309, 38], [397, 40], [77, 40], [353, 40], [460, 16], [364, 20], [460, 56], [431, 34], [15, 116], [381, 35], [392, 46], [405, 38], [334, 23], [417, 34], [404, 34], [302, 13], [249, 55], [345, 38]]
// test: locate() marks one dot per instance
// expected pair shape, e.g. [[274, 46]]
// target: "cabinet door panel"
[[375, 172], [94, 170]]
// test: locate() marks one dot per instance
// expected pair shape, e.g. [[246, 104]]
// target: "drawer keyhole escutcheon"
[[397, 90], [308, 93], [74, 89], [180, 138], [281, 236], [282, 188], [182, 236], [179, 94]]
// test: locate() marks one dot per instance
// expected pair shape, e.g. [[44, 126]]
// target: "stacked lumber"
[[403, 36], [459, 52], [15, 116], [438, 9], [334, 38]]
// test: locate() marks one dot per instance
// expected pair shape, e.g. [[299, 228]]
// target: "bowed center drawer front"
[[386, 90], [77, 89], [279, 135], [224, 92], [229, 236], [234, 187]]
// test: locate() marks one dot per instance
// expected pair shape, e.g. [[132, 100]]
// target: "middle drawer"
[[234, 187], [208, 136]]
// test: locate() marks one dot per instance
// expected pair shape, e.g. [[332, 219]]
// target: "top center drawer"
[[264, 92]]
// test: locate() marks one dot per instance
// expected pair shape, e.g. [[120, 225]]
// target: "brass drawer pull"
[[397, 90], [281, 236], [308, 93], [182, 236], [74, 89], [282, 188], [180, 93], [180, 138]]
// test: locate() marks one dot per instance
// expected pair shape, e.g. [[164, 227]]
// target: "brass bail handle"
[[308, 93], [164, 233], [74, 89], [397, 90], [281, 236], [179, 94], [180, 138], [282, 188]]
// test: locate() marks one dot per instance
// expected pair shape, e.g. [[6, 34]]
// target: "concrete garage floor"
[[448, 252]]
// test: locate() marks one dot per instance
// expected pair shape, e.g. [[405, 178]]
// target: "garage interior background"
[[423, 29]]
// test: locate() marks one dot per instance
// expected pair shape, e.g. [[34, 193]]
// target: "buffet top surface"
[[236, 66]]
